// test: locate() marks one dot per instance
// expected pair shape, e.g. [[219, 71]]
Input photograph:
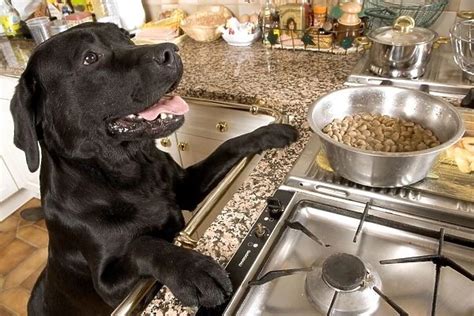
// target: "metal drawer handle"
[[222, 126], [165, 142], [183, 146]]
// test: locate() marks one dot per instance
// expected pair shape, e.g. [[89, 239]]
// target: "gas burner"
[[343, 284], [343, 272]]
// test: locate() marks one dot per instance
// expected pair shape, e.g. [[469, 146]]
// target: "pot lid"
[[402, 33]]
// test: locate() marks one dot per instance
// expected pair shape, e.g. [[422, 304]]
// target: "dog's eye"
[[90, 58]]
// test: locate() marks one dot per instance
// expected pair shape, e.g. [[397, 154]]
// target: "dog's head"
[[91, 85]]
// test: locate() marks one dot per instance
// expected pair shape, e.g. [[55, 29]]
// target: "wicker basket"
[[384, 12], [321, 40], [203, 25]]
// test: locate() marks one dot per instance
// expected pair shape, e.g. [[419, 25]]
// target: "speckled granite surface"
[[285, 80]]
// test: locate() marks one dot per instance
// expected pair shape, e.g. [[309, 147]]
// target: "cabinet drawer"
[[193, 149], [7, 85], [169, 145], [203, 121], [7, 184]]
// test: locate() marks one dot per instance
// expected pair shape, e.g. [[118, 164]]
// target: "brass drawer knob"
[[183, 146], [165, 142], [222, 126]]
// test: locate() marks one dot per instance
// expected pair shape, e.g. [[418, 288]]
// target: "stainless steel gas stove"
[[326, 246], [442, 76]]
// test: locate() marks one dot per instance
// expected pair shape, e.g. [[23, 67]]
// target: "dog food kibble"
[[381, 133]]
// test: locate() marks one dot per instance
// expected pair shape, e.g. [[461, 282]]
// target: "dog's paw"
[[276, 136], [200, 282]]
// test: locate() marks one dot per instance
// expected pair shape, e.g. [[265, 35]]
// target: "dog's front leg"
[[193, 278], [201, 178]]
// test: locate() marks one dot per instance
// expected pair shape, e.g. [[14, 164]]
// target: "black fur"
[[113, 203]]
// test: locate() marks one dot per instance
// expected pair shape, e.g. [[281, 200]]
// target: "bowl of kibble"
[[384, 136]]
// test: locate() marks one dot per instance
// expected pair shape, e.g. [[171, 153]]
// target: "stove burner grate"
[[440, 261], [362, 284]]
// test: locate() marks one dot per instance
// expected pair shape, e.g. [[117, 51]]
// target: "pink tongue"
[[176, 105]]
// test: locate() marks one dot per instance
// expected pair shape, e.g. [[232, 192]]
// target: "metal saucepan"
[[402, 50], [383, 169]]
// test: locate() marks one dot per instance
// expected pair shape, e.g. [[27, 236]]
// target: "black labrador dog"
[[113, 202]]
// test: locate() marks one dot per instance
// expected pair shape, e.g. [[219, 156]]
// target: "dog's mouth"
[[159, 120]]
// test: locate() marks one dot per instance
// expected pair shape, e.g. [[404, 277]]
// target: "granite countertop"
[[288, 81]]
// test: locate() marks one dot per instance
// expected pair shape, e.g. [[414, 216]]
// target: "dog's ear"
[[23, 110]]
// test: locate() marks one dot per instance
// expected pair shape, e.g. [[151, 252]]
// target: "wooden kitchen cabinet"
[[17, 183], [8, 186], [193, 148], [205, 128], [170, 145]]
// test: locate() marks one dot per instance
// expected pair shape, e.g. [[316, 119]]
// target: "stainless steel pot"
[[402, 50], [381, 169]]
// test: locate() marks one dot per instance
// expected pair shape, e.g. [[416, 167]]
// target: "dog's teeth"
[[163, 116], [132, 116], [170, 116]]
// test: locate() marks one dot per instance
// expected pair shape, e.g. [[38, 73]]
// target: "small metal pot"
[[385, 169], [402, 50]]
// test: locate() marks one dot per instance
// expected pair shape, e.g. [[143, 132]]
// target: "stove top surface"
[[327, 246], [442, 76], [408, 286]]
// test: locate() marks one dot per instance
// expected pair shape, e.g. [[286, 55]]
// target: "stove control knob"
[[275, 208], [260, 230]]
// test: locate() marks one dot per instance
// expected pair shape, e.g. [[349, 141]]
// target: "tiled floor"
[[23, 253]]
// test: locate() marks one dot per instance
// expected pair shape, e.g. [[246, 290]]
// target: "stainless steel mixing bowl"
[[381, 169]]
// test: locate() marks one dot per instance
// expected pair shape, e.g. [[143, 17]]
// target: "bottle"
[[308, 14], [109, 10], [10, 19], [131, 13], [66, 8], [268, 14], [319, 13], [79, 5]]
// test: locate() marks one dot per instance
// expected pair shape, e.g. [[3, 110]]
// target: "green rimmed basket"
[[384, 12]]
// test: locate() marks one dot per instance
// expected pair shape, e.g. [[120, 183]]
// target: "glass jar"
[[9, 18], [268, 14], [319, 13]]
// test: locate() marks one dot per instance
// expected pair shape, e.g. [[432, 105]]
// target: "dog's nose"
[[165, 54]]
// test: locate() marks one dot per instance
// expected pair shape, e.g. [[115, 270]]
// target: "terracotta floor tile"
[[16, 299], [23, 222], [9, 224], [33, 235], [13, 254], [6, 238], [31, 203], [27, 267], [31, 280], [41, 224], [2, 280], [5, 312]]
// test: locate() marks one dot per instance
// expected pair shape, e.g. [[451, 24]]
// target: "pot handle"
[[440, 41], [404, 24], [363, 41]]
